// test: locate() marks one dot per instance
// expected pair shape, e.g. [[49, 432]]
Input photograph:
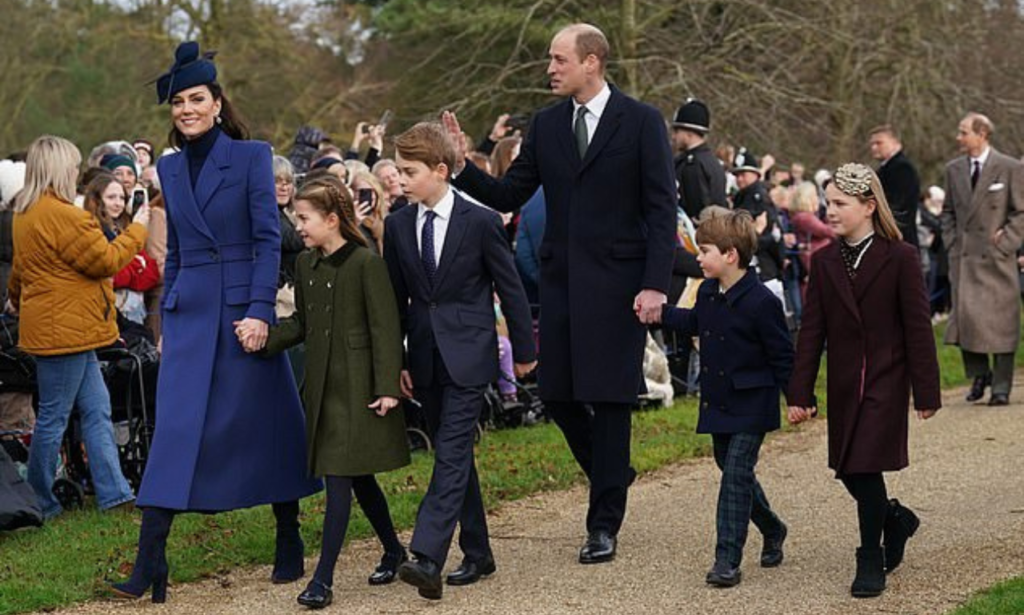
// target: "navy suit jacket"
[[746, 354], [457, 316], [610, 233]]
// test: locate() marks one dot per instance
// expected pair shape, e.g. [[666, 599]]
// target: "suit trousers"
[[976, 364], [740, 497], [452, 413], [598, 436]]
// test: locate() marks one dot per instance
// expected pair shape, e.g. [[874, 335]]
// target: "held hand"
[[647, 306], [363, 211], [405, 383], [522, 369], [926, 414], [451, 126], [383, 405], [142, 215], [252, 333], [799, 414]]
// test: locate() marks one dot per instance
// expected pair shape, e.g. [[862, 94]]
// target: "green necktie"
[[580, 130]]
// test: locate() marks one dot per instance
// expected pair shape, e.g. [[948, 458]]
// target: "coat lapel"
[[564, 132], [410, 245], [606, 127], [183, 202], [452, 239], [212, 174], [837, 272], [988, 174], [871, 265]]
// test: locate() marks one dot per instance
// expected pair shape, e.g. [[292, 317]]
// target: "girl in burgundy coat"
[[866, 299]]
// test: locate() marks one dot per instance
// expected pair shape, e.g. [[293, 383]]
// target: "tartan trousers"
[[740, 497]]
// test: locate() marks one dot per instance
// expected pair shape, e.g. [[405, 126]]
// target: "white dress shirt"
[[443, 209], [595, 108], [981, 160]]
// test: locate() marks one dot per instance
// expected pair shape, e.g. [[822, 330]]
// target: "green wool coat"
[[345, 312]]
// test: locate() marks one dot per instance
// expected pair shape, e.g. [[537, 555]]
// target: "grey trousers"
[[977, 364]]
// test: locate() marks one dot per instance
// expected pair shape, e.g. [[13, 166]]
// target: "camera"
[[140, 197], [365, 195], [519, 121]]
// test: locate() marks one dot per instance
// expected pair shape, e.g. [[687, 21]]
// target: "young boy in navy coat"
[[446, 258], [746, 357]]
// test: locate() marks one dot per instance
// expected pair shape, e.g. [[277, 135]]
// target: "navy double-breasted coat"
[[230, 431]]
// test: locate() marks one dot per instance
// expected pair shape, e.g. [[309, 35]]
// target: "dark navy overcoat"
[[230, 431], [746, 354]]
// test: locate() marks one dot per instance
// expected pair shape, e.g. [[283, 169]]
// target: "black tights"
[[339, 507], [872, 506]]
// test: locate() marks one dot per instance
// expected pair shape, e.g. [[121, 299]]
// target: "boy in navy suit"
[[746, 357], [446, 258]]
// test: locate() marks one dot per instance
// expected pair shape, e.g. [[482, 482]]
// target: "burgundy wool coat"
[[880, 344]]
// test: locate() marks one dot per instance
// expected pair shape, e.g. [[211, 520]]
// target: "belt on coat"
[[226, 253]]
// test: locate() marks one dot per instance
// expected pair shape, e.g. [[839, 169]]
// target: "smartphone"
[[140, 197], [365, 129], [365, 195], [385, 118]]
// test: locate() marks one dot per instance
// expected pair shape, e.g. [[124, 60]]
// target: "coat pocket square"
[[996, 187]]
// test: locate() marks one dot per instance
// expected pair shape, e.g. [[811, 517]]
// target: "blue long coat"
[[230, 431]]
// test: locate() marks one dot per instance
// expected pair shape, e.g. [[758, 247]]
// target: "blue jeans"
[[65, 382]]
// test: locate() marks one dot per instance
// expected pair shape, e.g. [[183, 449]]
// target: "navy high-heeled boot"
[[289, 555], [150, 569]]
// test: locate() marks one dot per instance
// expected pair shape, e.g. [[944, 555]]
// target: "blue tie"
[[427, 247]]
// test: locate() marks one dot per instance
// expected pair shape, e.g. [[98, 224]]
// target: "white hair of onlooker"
[[821, 176]]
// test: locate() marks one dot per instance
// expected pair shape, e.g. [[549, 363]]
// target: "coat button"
[[721, 338], [328, 285], [721, 373], [705, 405], [705, 369], [433, 305], [707, 333], [311, 282]]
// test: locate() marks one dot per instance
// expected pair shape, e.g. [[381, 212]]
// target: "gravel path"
[[966, 482]]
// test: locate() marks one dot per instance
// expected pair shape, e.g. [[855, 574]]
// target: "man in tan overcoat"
[[982, 226]]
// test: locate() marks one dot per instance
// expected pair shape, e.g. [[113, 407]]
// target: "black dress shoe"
[[470, 571], [599, 548], [724, 575], [771, 552], [423, 574], [316, 595], [999, 399], [387, 571], [978, 387]]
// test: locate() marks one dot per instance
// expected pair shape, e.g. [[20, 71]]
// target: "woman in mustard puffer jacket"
[[61, 286]]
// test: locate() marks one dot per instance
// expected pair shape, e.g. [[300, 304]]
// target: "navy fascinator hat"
[[189, 70]]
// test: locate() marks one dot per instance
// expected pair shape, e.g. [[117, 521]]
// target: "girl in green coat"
[[347, 317]]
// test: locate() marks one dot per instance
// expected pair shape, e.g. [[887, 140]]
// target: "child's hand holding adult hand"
[[799, 414], [383, 405]]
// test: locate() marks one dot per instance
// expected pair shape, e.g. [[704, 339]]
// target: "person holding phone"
[[369, 195]]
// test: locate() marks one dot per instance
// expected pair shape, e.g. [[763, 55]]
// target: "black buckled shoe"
[[900, 524], [771, 552], [316, 595], [599, 548], [978, 387], [387, 571], [423, 574], [724, 575], [472, 571]]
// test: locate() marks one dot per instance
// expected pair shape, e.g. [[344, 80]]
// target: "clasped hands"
[[252, 333]]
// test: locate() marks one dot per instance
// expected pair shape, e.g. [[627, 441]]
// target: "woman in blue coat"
[[230, 432]]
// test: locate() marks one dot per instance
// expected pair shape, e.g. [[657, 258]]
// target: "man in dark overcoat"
[[899, 179], [604, 161]]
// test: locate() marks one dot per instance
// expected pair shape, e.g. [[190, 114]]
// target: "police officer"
[[753, 196], [699, 174]]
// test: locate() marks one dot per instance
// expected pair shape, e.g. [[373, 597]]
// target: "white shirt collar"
[[983, 158], [444, 207], [596, 105]]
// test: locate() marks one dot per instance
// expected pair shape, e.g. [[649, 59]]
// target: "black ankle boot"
[[900, 524], [150, 569], [870, 579], [289, 552]]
